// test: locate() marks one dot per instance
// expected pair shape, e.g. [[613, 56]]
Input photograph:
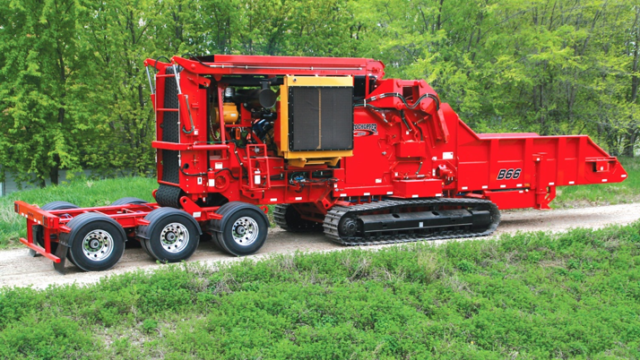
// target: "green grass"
[[533, 295], [627, 191], [82, 193]]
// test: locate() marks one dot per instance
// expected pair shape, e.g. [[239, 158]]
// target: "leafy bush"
[[532, 295]]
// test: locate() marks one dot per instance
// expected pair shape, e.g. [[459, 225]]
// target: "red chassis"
[[405, 145]]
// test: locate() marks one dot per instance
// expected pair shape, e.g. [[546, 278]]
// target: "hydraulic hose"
[[399, 96]]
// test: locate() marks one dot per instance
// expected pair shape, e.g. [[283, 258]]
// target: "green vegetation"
[[533, 295], [75, 95], [83, 193], [603, 194]]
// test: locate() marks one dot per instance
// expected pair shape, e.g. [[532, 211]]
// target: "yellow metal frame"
[[302, 158]]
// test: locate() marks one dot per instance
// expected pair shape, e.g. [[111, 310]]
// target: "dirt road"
[[18, 269]]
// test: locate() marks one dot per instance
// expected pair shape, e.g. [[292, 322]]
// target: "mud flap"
[[61, 253]]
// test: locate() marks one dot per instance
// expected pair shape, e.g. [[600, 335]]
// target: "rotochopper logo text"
[[365, 129]]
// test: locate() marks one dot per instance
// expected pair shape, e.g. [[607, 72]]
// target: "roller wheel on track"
[[288, 218], [97, 241], [242, 230], [54, 205], [129, 200], [173, 235]]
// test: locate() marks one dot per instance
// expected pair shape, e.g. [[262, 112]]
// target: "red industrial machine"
[[335, 146]]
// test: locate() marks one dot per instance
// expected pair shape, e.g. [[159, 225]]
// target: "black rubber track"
[[168, 196], [288, 218], [332, 220]]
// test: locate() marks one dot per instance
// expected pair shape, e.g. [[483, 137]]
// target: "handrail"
[[166, 145]]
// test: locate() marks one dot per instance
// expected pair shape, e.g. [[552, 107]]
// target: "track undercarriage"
[[400, 221]]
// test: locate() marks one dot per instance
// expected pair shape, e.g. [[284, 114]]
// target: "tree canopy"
[[74, 93]]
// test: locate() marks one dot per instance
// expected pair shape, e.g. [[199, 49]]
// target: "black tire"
[[171, 236], [288, 218], [54, 205], [59, 205], [96, 241], [129, 200], [247, 222], [144, 242], [143, 245]]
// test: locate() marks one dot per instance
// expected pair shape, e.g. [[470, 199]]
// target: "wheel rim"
[[245, 231], [97, 245], [174, 237]]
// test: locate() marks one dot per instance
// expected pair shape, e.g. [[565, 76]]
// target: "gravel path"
[[18, 269]]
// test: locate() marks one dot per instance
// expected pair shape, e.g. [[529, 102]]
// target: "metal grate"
[[320, 118]]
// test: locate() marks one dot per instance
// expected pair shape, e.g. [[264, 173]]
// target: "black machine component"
[[289, 218], [360, 86], [170, 131], [258, 98], [168, 195], [298, 177], [424, 220], [262, 127], [322, 174], [320, 118], [398, 221], [247, 80]]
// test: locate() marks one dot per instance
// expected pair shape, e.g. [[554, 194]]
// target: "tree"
[[46, 79]]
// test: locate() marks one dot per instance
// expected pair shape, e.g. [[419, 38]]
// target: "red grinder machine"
[[332, 144]]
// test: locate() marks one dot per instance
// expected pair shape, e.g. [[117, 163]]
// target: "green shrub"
[[149, 325], [533, 295]]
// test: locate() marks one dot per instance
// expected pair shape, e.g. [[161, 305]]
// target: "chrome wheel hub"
[[174, 237], [245, 231], [97, 245]]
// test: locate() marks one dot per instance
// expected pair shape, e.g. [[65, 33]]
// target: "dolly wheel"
[[242, 230], [174, 235], [97, 241], [55, 205]]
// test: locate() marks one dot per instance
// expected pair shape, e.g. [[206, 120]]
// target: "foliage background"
[[73, 92]]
